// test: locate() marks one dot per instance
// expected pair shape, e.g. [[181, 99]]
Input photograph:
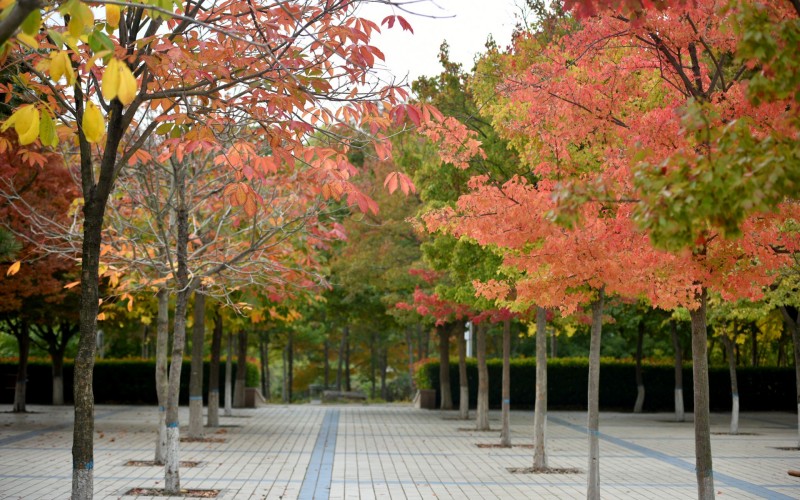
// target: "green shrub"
[[116, 381], [760, 389]]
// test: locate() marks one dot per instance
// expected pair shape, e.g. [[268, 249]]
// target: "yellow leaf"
[[119, 82], [13, 269], [28, 40], [127, 85], [112, 15], [110, 85], [61, 65], [93, 124], [27, 124]]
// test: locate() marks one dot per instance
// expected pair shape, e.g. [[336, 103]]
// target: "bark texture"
[[241, 370], [505, 432], [229, 377], [728, 343], [593, 490], [446, 398], [196, 376], [540, 410], [22, 332], [680, 415], [482, 410], [702, 430], [637, 407], [162, 341], [463, 384], [213, 371]]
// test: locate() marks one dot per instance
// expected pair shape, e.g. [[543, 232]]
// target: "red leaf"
[[406, 26], [389, 21]]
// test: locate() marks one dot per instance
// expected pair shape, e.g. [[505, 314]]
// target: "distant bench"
[[348, 396]]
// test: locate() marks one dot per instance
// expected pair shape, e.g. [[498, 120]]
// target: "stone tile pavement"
[[396, 451]]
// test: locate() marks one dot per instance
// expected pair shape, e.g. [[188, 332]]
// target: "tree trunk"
[[593, 491], [172, 480], [680, 416], [540, 410], [340, 361], [410, 344], [290, 369], [196, 376], [384, 367], [372, 362], [637, 407], [23, 335], [268, 387], [703, 462], [463, 384], [446, 398], [213, 371], [505, 433], [726, 341], [241, 370], [57, 357], [264, 353], [792, 322], [347, 385], [96, 185], [326, 352], [285, 389], [229, 377], [162, 345], [482, 410]]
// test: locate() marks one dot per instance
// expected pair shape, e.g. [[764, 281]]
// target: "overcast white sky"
[[465, 24]]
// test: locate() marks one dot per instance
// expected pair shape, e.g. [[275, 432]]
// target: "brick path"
[[395, 451]]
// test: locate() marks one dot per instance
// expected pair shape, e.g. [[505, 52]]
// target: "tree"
[[31, 289]]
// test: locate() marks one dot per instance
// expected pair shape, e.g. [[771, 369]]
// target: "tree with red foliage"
[[622, 132], [33, 286]]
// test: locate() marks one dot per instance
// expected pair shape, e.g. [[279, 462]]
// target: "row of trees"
[[631, 157]]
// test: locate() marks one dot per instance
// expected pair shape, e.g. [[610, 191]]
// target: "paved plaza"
[[397, 451]]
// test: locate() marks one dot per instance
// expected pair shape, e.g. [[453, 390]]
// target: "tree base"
[[160, 492], [544, 470]]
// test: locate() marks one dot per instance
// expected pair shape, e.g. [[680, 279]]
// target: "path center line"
[[317, 482]]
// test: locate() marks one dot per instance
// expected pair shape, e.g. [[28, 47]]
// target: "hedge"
[[760, 389], [116, 381]]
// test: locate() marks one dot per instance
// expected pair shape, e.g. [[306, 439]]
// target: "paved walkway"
[[396, 451]]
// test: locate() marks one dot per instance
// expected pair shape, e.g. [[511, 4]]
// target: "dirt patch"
[[202, 440], [223, 426], [456, 418], [487, 445], [152, 463], [159, 492], [473, 429], [548, 470], [786, 448]]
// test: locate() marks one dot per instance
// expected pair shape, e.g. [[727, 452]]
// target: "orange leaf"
[[13, 269]]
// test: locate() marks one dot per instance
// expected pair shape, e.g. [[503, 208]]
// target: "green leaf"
[[47, 131], [32, 23], [99, 41]]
